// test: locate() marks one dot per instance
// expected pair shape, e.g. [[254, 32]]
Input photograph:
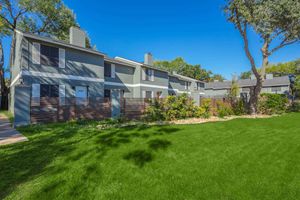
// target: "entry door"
[[81, 95]]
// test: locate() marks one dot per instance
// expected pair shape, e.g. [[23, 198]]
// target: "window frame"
[[46, 57], [50, 90], [107, 73]]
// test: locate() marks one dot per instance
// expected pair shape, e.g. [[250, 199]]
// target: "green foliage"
[[194, 71], [173, 108], [272, 103], [272, 20], [223, 109], [238, 107], [206, 105], [234, 90], [245, 75], [294, 107], [282, 69]]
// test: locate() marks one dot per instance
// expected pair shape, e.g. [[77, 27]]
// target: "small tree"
[[277, 24]]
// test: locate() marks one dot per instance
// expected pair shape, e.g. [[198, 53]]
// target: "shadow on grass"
[[157, 144], [22, 162], [139, 157]]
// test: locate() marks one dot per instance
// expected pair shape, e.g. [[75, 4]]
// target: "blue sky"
[[195, 30]]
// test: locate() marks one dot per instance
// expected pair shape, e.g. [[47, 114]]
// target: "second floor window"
[[49, 56], [187, 85], [200, 85], [107, 70], [148, 74]]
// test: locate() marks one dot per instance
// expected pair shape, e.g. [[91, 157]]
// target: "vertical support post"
[[22, 105], [115, 103]]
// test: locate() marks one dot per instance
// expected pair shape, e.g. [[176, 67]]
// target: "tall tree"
[[43, 17], [277, 24]]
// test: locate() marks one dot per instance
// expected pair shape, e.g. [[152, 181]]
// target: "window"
[[49, 56], [276, 89], [187, 85], [49, 90], [106, 93], [148, 94], [81, 94], [107, 70], [148, 74], [200, 85]]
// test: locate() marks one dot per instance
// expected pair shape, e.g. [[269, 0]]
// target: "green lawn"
[[239, 159]]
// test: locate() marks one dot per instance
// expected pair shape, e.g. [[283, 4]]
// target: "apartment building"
[[275, 85], [47, 68]]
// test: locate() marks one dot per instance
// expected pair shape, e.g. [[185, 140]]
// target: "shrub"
[[223, 109], [272, 104], [207, 107], [238, 107], [294, 107], [174, 107], [154, 112]]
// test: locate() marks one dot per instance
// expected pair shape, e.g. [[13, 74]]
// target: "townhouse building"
[[273, 85], [48, 76], [46, 68]]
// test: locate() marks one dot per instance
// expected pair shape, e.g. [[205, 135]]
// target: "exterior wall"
[[78, 63], [123, 78], [216, 93], [225, 92], [124, 74], [95, 89], [177, 84], [16, 68]]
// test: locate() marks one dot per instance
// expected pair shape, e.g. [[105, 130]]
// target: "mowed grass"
[[239, 159]]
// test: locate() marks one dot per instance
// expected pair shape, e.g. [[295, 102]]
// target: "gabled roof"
[[139, 64], [276, 81], [115, 61], [59, 42], [185, 78]]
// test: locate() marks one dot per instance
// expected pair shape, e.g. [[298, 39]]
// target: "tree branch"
[[281, 45], [6, 20]]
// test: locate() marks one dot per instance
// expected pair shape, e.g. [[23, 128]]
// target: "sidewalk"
[[9, 135]]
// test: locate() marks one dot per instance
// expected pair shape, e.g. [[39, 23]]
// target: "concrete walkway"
[[9, 135]]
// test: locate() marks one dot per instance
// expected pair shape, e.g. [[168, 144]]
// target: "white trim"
[[15, 80], [60, 76], [62, 58], [179, 91], [113, 71], [128, 61], [135, 85]]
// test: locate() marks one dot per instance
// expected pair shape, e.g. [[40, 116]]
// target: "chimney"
[[77, 37], [269, 76], [148, 60]]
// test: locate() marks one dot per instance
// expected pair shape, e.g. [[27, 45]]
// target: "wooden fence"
[[44, 110], [133, 108]]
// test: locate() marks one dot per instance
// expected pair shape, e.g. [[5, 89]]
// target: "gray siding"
[[160, 79], [124, 74], [78, 63]]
